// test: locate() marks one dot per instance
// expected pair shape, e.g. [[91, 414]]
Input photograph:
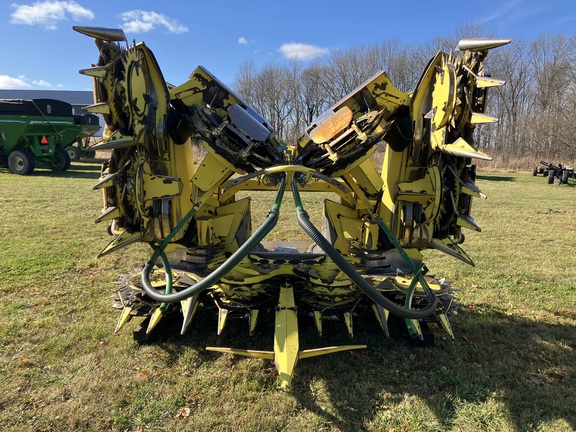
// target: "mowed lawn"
[[511, 366]]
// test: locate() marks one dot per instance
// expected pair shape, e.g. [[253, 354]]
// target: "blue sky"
[[39, 49]]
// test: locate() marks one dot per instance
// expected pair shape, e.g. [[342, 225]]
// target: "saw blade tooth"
[[108, 214], [484, 81], [96, 71], [449, 247], [222, 315], [115, 141], [481, 118], [189, 307], [461, 148], [318, 321], [466, 221], [98, 108], [382, 317], [125, 317], [155, 318], [106, 181], [252, 320], [446, 324], [349, 323], [124, 239]]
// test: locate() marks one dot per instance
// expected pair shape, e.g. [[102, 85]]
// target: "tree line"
[[536, 108]]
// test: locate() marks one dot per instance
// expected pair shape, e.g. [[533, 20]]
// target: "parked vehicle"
[[78, 138], [556, 173], [32, 131]]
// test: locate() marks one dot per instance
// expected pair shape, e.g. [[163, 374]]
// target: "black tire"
[[565, 176], [535, 172], [21, 162], [89, 154], [74, 153], [551, 175], [61, 160]]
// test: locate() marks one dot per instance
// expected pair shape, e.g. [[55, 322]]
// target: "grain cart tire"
[[21, 162], [551, 175], [565, 176], [74, 153], [535, 172], [61, 160]]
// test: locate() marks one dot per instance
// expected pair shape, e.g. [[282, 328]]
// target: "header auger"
[[367, 254]]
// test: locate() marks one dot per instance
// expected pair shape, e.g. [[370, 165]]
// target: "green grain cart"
[[32, 132], [77, 139]]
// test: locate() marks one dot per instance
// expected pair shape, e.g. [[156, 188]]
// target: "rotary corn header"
[[367, 254]]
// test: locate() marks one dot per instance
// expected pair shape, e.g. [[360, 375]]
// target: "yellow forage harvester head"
[[367, 254]]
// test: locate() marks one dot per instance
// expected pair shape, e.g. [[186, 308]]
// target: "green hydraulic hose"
[[217, 274], [354, 276], [418, 273]]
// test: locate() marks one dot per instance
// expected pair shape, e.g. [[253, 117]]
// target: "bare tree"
[[245, 84], [270, 91], [536, 107], [511, 102], [553, 91], [404, 64]]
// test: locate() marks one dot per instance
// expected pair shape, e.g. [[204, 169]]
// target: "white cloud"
[[242, 41], [8, 82], [48, 13], [300, 51], [42, 83], [139, 21]]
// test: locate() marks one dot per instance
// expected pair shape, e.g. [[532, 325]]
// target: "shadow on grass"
[[496, 361], [86, 169], [496, 178], [83, 170], [527, 366]]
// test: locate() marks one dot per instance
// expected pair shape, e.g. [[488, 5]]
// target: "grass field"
[[511, 367]]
